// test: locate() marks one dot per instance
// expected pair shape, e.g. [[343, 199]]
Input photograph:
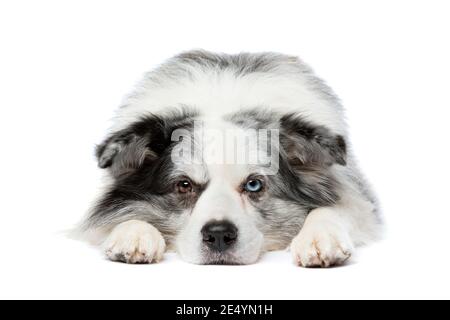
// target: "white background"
[[65, 66]]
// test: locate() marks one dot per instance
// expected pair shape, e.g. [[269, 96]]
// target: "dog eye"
[[184, 186], [254, 185]]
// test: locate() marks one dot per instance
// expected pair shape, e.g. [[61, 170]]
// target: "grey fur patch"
[[311, 144], [305, 180]]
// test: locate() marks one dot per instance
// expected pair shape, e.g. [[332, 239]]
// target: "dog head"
[[223, 190]]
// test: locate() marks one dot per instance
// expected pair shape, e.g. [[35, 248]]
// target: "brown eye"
[[184, 186]]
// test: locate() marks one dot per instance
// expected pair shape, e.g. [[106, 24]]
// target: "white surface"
[[64, 68]]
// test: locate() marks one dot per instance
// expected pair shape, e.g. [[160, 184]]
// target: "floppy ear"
[[307, 144], [124, 152], [142, 142]]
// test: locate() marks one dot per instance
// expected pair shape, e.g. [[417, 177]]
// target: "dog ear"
[[126, 151], [142, 142], [307, 144]]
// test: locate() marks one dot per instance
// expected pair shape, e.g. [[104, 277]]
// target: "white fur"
[[323, 240], [217, 93], [221, 201], [136, 242], [329, 235]]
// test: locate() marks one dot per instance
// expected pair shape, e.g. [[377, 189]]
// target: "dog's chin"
[[229, 259], [222, 259], [223, 262]]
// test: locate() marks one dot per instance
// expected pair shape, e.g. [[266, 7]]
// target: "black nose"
[[219, 235]]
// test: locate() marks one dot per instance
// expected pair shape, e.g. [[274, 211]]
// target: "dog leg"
[[330, 234], [135, 242]]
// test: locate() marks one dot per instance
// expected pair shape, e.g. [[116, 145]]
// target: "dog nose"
[[219, 235]]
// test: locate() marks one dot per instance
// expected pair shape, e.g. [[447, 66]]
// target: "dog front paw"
[[135, 242], [325, 247]]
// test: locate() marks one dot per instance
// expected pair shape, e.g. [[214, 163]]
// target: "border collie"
[[224, 157]]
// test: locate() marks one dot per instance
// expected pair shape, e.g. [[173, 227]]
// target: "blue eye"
[[253, 185]]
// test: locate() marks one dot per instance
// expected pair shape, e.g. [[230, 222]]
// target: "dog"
[[176, 179]]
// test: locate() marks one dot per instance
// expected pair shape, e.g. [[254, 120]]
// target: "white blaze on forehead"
[[249, 149], [215, 142], [215, 149], [225, 143]]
